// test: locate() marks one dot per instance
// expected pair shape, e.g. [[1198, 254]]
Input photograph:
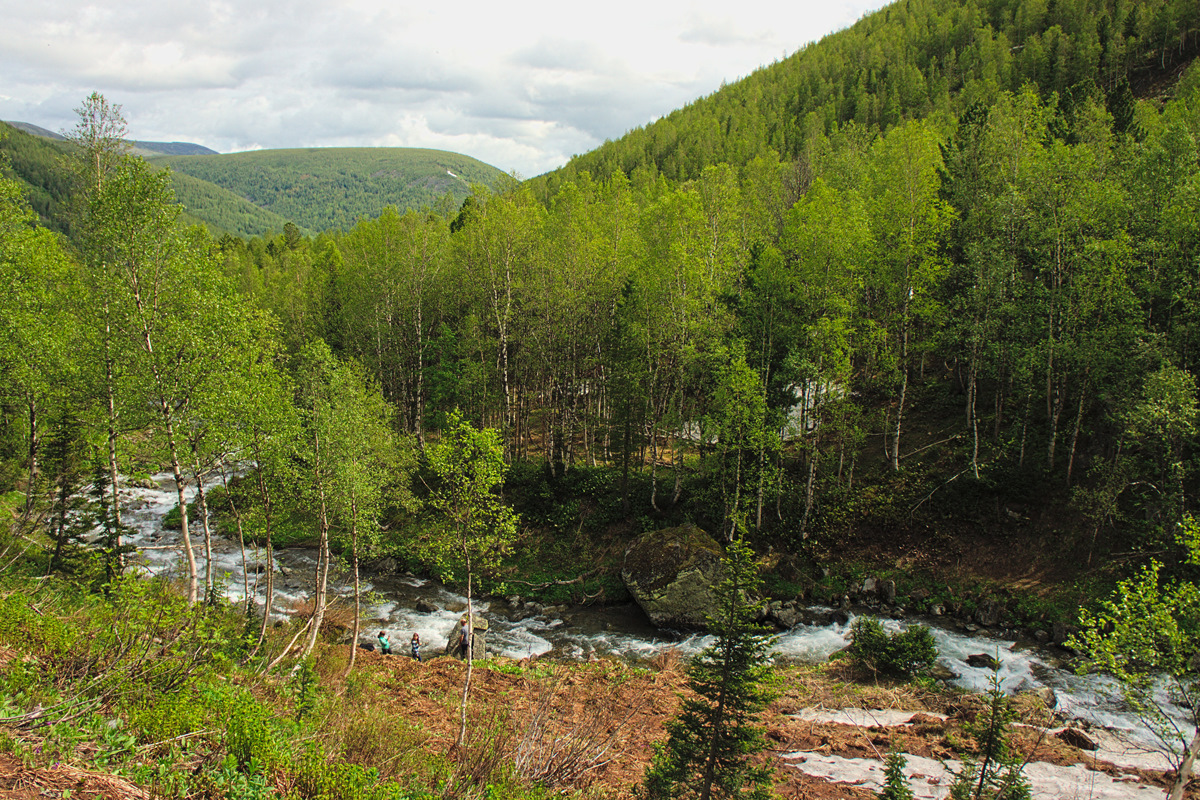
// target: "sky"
[[522, 85]]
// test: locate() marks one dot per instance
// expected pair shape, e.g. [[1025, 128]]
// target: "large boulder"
[[478, 640], [672, 573]]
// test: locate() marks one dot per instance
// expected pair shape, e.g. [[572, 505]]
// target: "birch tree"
[[469, 466]]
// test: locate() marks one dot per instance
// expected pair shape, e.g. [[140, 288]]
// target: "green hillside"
[[36, 163], [222, 210], [326, 188], [910, 60], [251, 194]]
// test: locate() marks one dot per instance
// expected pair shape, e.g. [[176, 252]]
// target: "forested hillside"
[[914, 59], [328, 188], [982, 319], [254, 194], [36, 162]]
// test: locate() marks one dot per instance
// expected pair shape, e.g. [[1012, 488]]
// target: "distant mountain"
[[151, 149], [325, 188], [255, 193], [37, 161], [35, 130], [144, 149]]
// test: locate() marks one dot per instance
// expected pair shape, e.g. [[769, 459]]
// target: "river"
[[623, 631]]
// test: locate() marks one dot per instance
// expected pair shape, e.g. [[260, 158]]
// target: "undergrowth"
[[172, 696]]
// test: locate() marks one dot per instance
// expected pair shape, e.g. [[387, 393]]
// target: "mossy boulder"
[[672, 573]]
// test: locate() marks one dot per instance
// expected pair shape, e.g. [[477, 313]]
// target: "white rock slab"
[[930, 779]]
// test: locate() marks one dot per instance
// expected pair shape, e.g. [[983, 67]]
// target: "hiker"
[[466, 639], [416, 647], [385, 646]]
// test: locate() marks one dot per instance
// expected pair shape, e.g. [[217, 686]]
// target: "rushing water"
[[583, 633]]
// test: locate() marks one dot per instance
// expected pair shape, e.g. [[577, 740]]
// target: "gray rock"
[[1047, 696], [1041, 636], [1077, 738], [887, 591], [478, 640], [386, 566], [869, 585], [425, 607], [514, 601], [982, 661], [671, 574], [815, 617], [988, 613], [937, 610], [786, 618], [941, 672]]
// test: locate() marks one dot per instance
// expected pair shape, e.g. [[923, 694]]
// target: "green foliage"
[[304, 688], [902, 62], [254, 734], [712, 738], [895, 785], [902, 654], [1148, 633], [230, 782], [469, 466], [993, 771]]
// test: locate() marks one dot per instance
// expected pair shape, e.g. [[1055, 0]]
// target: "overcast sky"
[[522, 85]]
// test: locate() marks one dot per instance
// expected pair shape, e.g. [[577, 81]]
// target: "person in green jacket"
[[385, 646]]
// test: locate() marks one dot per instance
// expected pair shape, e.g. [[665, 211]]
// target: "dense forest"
[[916, 59], [965, 313]]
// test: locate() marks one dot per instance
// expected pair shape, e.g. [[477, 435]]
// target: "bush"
[[901, 655]]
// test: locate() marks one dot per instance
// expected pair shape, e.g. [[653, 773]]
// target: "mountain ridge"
[[257, 192], [138, 146]]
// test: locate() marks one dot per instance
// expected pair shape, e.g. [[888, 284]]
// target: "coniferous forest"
[[921, 300]]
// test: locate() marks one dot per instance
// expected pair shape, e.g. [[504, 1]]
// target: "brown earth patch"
[[19, 782]]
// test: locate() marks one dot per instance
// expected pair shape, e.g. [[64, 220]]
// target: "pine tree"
[[995, 774], [712, 740], [895, 785]]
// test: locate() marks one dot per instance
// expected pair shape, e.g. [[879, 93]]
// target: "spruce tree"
[[895, 784], [711, 741]]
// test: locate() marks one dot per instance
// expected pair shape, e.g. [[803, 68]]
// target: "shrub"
[[901, 655], [895, 785]]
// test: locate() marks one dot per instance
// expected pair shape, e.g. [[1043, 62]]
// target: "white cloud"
[[520, 85]]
